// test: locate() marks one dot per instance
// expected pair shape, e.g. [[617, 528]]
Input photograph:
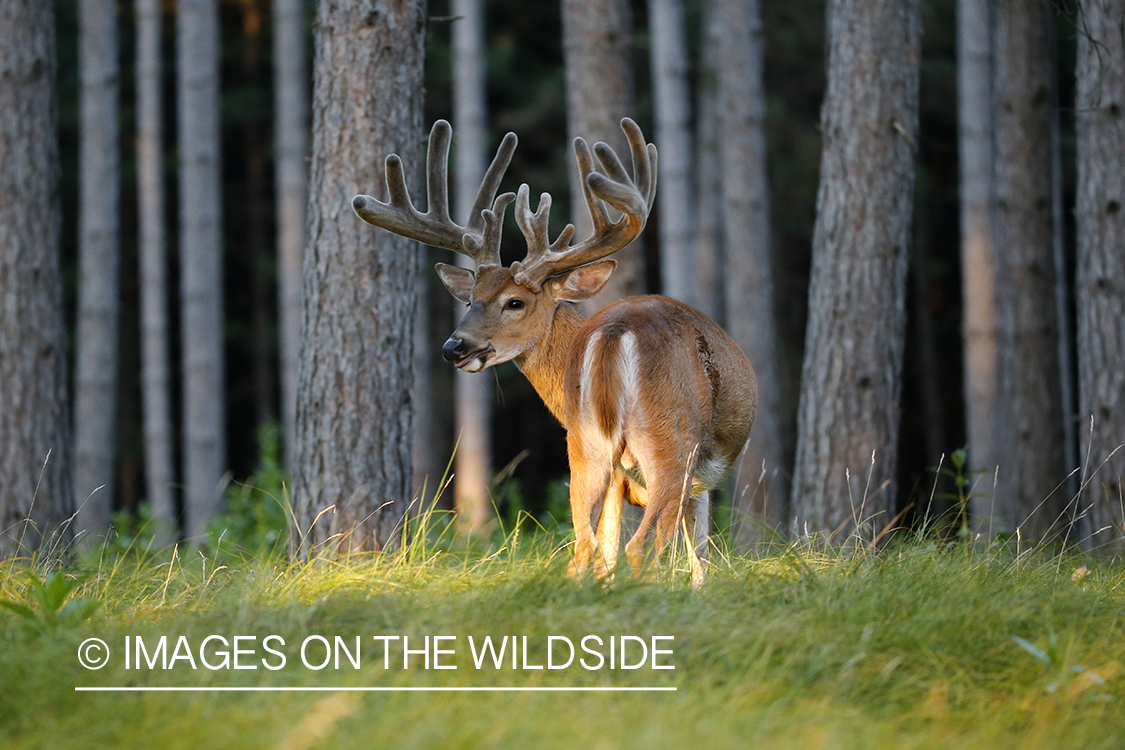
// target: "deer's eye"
[[514, 304]]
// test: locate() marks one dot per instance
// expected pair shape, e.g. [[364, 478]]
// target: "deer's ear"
[[459, 281], [581, 283]]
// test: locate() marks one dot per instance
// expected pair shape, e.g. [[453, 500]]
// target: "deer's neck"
[[545, 365]]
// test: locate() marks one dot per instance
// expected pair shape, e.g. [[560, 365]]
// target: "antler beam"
[[632, 197]]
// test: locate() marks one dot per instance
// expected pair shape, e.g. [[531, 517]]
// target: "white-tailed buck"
[[657, 400]]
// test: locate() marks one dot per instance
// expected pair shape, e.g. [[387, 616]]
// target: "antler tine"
[[633, 197], [540, 250], [491, 182], [598, 214], [437, 173], [533, 225], [487, 249], [479, 239]]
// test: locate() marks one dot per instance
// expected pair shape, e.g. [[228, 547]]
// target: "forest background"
[[526, 93]]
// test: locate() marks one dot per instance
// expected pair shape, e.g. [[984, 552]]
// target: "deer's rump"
[[649, 376]]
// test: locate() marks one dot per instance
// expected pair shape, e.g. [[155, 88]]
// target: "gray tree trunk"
[[759, 488], [291, 104], [1030, 432], [978, 256], [156, 377], [36, 495], [597, 45], [472, 391], [709, 251], [99, 259], [848, 418], [201, 261], [1101, 265], [672, 106], [354, 413]]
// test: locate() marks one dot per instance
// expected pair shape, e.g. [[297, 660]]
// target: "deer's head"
[[511, 307]]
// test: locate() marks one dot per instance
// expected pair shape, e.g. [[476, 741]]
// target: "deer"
[[657, 400]]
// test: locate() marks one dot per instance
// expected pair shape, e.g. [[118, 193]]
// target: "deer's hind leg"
[[591, 475], [667, 488], [609, 527]]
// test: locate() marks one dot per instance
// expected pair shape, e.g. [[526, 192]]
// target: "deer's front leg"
[[697, 523]]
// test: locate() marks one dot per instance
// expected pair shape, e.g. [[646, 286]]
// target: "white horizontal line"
[[230, 689]]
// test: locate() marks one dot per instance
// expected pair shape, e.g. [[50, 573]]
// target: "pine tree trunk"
[[759, 488], [354, 412], [848, 419], [473, 391], [1030, 433], [291, 103], [36, 495], [1101, 266], [676, 197], [99, 257], [708, 247], [201, 262], [978, 256], [155, 369], [597, 46]]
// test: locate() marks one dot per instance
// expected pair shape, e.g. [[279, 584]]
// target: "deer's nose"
[[453, 349]]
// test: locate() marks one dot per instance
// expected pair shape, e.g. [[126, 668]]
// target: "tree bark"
[[1101, 266], [759, 489], [36, 494], [291, 111], [472, 391], [354, 408], [597, 45], [672, 105], [156, 375], [201, 262], [1030, 433], [848, 418], [99, 258], [978, 255]]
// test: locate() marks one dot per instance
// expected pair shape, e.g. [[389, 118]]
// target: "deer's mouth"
[[474, 361]]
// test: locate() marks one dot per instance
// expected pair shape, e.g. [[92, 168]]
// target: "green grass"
[[913, 647]]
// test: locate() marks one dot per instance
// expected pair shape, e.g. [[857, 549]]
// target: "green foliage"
[[256, 519], [508, 497], [54, 612], [1065, 681], [556, 515], [960, 476], [131, 533]]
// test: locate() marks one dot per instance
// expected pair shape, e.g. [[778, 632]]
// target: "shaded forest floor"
[[913, 647]]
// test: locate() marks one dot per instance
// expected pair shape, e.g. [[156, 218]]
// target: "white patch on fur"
[[710, 471], [592, 436], [585, 378], [629, 369]]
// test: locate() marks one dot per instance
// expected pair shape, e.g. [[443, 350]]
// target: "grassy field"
[[911, 647]]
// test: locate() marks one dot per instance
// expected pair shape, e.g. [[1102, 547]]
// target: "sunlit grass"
[[913, 645]]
